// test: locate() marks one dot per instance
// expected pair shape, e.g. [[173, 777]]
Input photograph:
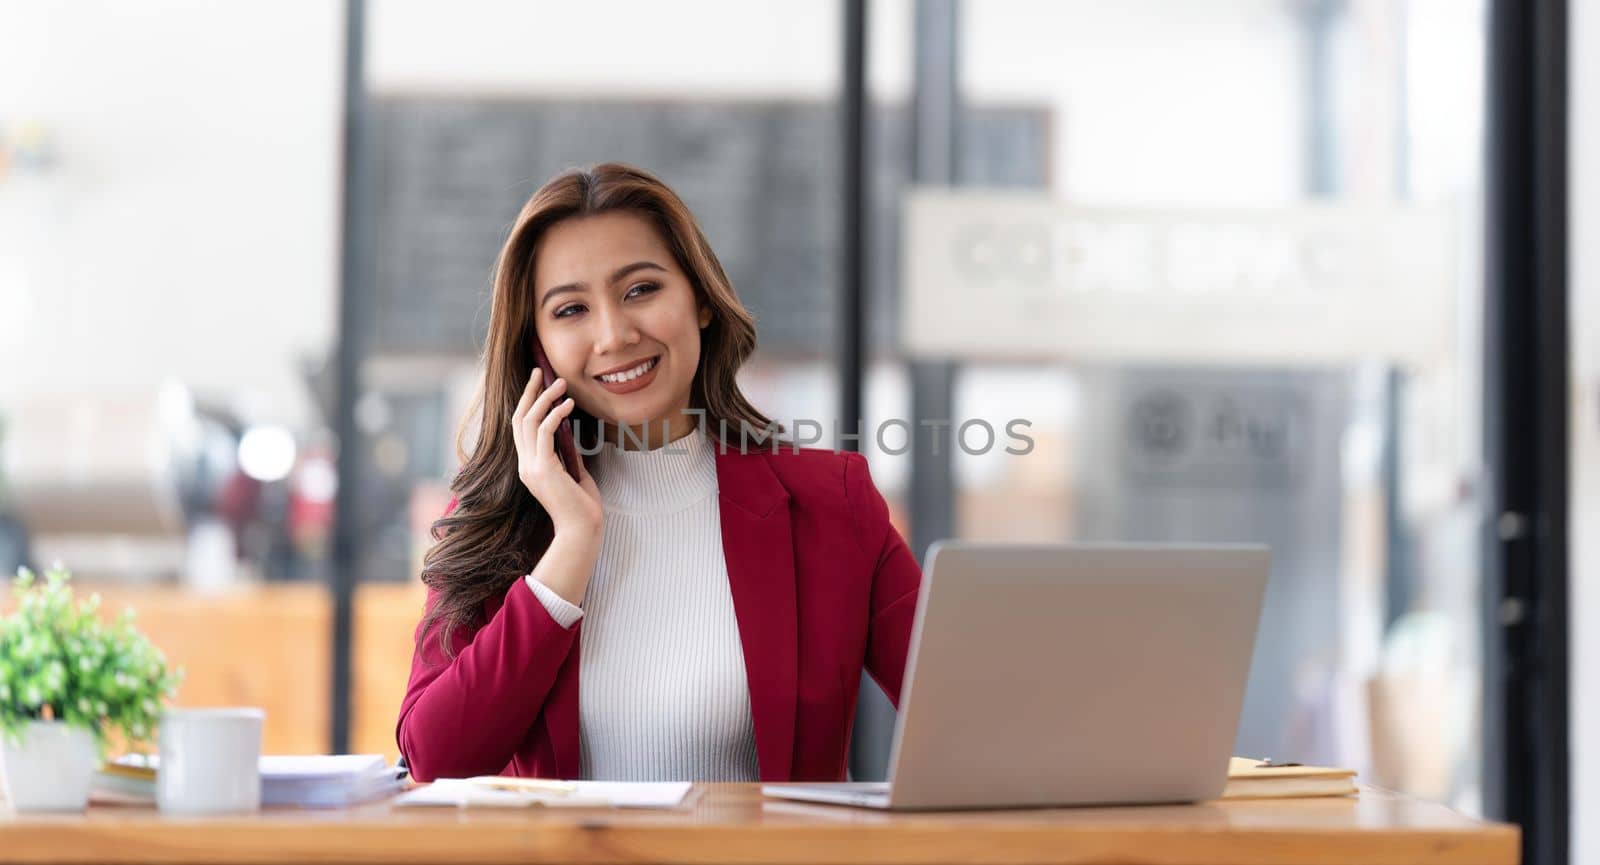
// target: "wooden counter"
[[731, 823]]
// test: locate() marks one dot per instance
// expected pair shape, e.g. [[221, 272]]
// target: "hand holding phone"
[[566, 445], [567, 491]]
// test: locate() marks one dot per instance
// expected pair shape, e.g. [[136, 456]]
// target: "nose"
[[615, 330]]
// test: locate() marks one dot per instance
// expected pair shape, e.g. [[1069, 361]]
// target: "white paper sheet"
[[589, 794]]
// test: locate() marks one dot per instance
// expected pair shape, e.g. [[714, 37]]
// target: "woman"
[[718, 602]]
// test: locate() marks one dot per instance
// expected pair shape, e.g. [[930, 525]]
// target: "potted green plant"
[[68, 682]]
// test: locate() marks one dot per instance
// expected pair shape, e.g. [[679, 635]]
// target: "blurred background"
[[1226, 259]]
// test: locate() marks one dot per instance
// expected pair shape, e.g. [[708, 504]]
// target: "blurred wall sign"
[[1234, 435], [1001, 275]]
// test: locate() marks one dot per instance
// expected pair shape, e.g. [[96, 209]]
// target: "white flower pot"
[[52, 769]]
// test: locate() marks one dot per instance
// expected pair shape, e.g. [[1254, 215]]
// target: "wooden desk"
[[731, 823]]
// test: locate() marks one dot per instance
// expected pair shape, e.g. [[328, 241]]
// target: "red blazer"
[[823, 585]]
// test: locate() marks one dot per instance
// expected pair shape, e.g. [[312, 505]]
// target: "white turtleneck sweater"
[[662, 688]]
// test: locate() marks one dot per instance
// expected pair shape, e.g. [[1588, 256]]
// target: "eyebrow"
[[616, 276]]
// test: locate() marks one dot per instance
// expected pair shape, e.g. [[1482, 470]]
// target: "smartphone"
[[566, 444]]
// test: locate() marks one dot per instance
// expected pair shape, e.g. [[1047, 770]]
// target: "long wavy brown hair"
[[498, 531]]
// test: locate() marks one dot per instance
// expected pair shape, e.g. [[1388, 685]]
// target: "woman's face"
[[619, 321]]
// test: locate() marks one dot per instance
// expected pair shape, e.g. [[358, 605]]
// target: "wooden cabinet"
[[271, 646]]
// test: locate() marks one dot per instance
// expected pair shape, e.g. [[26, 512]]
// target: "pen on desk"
[[524, 785]]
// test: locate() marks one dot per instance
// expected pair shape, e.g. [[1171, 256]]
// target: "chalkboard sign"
[[761, 176]]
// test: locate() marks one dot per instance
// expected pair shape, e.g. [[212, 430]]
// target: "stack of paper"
[[307, 782], [128, 780], [327, 782]]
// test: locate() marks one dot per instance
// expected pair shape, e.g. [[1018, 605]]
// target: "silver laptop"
[[1067, 674]]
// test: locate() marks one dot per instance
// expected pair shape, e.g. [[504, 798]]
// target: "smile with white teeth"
[[629, 375]]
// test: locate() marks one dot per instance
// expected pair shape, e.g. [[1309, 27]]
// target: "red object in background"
[[312, 488], [238, 503], [429, 498]]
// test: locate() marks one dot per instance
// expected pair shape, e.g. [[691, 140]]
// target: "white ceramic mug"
[[210, 761]]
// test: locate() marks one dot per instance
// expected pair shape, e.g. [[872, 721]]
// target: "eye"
[[642, 289], [572, 308]]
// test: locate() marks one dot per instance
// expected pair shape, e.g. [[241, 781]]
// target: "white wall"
[[1584, 520], [707, 48], [1158, 103], [190, 228]]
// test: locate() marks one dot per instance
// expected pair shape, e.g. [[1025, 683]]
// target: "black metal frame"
[[936, 160], [1526, 412], [354, 331], [853, 218]]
